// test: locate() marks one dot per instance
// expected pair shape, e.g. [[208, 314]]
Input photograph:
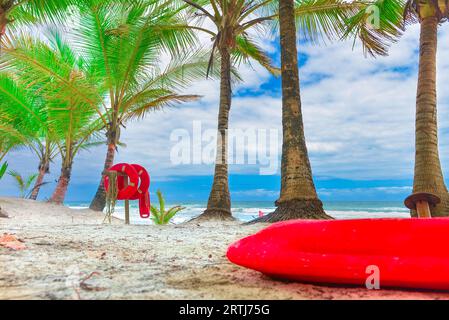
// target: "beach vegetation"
[[23, 183], [68, 94], [24, 122], [161, 216]]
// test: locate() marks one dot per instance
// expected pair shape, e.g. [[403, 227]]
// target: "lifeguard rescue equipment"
[[137, 188]]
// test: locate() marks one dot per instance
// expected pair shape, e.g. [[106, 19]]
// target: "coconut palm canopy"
[[39, 92], [126, 44]]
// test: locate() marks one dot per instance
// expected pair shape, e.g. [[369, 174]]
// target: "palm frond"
[[32, 11], [377, 25], [3, 169], [29, 181], [140, 111], [160, 197], [247, 49], [320, 20]]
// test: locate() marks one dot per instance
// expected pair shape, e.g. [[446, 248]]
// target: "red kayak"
[[410, 253]]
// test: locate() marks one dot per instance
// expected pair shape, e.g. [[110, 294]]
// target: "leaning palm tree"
[[73, 119], [24, 114], [52, 69], [428, 176], [81, 132], [232, 23], [124, 43]]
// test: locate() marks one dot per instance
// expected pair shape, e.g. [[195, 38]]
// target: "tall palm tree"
[[298, 198], [125, 43], [316, 20], [233, 21], [428, 176]]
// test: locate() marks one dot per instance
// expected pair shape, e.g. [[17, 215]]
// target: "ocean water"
[[248, 210]]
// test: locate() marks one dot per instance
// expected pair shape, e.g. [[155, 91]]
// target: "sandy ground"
[[70, 254]]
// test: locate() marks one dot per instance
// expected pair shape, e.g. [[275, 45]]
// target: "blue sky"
[[359, 122]]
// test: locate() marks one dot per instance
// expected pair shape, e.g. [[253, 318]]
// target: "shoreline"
[[70, 255]]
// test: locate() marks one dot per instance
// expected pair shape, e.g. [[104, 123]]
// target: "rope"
[[111, 196]]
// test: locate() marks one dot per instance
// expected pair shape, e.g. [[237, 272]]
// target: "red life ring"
[[144, 179], [134, 190], [131, 189], [142, 193]]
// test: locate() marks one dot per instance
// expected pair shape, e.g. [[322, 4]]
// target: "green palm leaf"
[[3, 169], [377, 39]]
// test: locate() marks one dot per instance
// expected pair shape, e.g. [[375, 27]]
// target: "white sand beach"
[[70, 254]]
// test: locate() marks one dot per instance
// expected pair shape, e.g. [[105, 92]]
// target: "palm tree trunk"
[[3, 23], [428, 173], [58, 196], [44, 167], [99, 201], [219, 204], [298, 198]]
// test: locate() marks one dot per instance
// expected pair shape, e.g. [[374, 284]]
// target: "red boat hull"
[[410, 253]]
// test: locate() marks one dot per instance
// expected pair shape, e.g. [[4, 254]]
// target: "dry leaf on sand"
[[11, 242]]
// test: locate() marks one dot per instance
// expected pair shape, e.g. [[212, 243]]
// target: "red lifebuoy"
[[142, 194], [144, 179], [124, 193], [135, 190]]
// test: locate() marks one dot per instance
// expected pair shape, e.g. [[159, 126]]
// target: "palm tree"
[[69, 95], [428, 174], [125, 43], [232, 21], [82, 133], [129, 74], [73, 119], [298, 198], [24, 118], [394, 14], [316, 20]]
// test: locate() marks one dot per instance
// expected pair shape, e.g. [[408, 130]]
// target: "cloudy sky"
[[359, 122]]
